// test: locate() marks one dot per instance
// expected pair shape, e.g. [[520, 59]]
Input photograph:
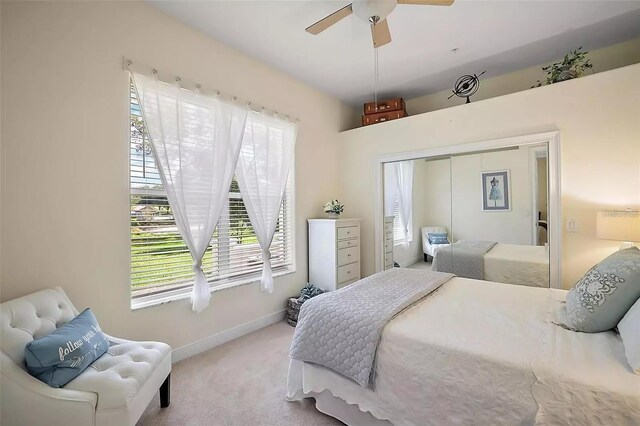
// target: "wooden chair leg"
[[165, 392]]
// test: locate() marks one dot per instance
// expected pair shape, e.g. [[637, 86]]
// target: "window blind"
[[398, 231], [160, 260]]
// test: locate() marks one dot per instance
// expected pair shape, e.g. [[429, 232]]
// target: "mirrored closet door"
[[481, 215]]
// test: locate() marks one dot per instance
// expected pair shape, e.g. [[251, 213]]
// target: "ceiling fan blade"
[[380, 33], [427, 2], [328, 21]]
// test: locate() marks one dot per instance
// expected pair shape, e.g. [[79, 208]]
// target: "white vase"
[[333, 215]]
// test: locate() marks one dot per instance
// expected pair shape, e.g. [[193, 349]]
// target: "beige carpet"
[[425, 266], [242, 382]]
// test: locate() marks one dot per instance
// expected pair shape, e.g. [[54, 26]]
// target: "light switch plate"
[[572, 225]]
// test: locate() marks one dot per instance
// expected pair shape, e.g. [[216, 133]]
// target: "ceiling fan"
[[373, 11]]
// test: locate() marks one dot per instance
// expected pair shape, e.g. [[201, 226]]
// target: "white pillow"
[[629, 329]]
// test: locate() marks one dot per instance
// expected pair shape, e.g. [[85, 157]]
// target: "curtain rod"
[[128, 66]]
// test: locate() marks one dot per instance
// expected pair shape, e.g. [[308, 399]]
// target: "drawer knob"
[[348, 272], [349, 255]]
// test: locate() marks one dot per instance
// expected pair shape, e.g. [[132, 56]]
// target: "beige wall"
[[65, 176], [604, 59], [598, 117], [469, 221]]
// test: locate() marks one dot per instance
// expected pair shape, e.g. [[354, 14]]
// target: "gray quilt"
[[341, 330], [464, 258]]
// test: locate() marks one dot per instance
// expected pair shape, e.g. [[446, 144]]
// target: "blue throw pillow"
[[438, 238], [61, 356], [604, 295]]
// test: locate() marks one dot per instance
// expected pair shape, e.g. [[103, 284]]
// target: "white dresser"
[[388, 242], [334, 252]]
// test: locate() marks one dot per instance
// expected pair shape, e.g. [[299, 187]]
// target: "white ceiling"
[[496, 36]]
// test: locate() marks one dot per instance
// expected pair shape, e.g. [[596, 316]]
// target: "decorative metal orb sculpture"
[[466, 86]]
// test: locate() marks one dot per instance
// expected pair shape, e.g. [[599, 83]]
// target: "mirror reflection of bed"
[[481, 215]]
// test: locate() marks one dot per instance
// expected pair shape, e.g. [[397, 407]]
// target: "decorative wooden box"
[[391, 109], [396, 104], [381, 117]]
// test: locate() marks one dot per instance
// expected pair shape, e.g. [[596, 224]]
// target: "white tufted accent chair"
[[114, 390], [428, 248]]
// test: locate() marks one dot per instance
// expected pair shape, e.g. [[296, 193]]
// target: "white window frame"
[[185, 292], [215, 285]]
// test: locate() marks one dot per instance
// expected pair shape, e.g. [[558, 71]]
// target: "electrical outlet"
[[572, 225]]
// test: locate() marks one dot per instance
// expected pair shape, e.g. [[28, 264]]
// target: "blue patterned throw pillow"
[[604, 295], [438, 238], [62, 355]]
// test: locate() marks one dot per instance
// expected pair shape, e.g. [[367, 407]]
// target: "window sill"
[[185, 293]]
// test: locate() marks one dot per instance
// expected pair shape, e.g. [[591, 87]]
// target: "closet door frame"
[[552, 139]]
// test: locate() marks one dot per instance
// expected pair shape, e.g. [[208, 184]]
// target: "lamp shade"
[[619, 225]]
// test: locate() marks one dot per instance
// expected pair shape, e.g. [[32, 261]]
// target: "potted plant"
[[333, 208], [573, 65], [294, 304]]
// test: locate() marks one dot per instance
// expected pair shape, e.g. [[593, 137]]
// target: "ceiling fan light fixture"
[[369, 9]]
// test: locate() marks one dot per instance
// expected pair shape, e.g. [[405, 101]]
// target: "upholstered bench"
[[114, 390]]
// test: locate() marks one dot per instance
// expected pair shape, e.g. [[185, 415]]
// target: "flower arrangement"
[[573, 65], [334, 207]]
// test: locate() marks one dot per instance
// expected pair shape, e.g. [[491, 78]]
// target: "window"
[[398, 230], [160, 261]]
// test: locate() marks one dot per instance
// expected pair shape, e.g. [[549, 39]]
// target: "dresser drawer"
[[347, 244], [388, 243], [348, 272], [348, 232], [348, 255]]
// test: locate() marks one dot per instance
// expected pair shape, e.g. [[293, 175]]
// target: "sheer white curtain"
[[390, 187], [405, 198], [196, 141], [263, 168]]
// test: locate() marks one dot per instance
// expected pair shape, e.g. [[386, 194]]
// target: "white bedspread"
[[517, 264], [477, 352]]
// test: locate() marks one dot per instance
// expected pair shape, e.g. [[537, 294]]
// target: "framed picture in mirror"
[[496, 190]]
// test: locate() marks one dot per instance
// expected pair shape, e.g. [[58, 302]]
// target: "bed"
[[481, 354], [504, 263], [517, 264]]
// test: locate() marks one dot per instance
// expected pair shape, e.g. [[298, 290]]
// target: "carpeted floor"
[[242, 383], [426, 266]]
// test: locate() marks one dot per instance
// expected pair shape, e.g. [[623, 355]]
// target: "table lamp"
[[619, 225]]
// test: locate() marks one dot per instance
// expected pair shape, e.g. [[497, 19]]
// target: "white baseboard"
[[218, 339]]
